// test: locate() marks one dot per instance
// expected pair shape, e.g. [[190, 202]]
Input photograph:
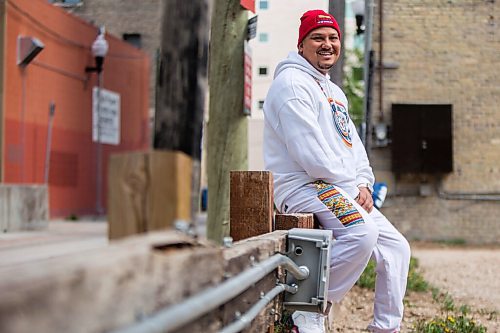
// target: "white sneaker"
[[309, 322]]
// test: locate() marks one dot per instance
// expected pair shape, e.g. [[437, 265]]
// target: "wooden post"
[[298, 220], [182, 76], [148, 191], [227, 126], [252, 207], [182, 83]]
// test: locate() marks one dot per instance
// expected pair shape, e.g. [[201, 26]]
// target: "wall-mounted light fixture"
[[99, 51], [358, 8], [27, 49]]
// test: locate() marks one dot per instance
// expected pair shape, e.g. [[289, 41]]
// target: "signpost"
[[105, 116]]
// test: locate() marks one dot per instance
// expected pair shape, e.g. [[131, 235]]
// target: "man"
[[320, 166]]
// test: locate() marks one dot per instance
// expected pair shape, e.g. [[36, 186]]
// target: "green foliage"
[[367, 278], [353, 84], [447, 302], [72, 217], [285, 323], [450, 324], [415, 281], [453, 241]]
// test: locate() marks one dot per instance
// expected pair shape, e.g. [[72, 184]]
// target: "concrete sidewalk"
[[61, 238]]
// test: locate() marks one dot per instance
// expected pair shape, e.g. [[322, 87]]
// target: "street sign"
[[105, 116], [252, 28]]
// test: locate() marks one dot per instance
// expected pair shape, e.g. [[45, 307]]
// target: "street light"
[[358, 8], [99, 51]]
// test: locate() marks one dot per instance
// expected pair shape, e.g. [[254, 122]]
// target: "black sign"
[[252, 28]]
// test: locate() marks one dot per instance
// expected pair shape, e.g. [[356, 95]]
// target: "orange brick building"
[[57, 75]]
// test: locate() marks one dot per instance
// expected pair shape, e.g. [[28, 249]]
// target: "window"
[[133, 39], [264, 4], [263, 37], [261, 104], [263, 71]]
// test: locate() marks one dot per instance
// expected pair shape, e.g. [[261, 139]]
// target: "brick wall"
[[445, 52], [57, 75], [129, 16]]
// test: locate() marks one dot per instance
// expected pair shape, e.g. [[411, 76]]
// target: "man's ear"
[[301, 47]]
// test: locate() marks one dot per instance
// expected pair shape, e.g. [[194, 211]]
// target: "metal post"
[[367, 72], [52, 111], [98, 194]]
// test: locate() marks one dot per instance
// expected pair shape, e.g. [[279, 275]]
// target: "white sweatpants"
[[354, 246]]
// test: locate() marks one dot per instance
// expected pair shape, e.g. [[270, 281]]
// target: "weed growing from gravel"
[[452, 319], [451, 323], [415, 282], [455, 320]]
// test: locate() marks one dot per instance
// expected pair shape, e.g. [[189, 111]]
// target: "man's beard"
[[327, 67]]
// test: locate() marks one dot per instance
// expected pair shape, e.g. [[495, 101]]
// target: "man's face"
[[321, 48]]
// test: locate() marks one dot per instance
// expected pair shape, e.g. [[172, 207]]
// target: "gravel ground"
[[470, 275]]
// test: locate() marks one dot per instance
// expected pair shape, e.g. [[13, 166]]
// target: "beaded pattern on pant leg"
[[339, 205]]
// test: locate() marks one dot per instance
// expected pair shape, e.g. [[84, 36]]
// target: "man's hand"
[[364, 199]]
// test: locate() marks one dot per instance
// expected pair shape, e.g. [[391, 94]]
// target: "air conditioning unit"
[[67, 3]]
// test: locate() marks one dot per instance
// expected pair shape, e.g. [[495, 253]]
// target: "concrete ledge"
[[23, 207]]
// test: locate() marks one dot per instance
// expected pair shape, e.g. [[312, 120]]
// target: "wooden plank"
[[128, 185], [298, 220], [169, 197], [107, 289], [148, 191], [113, 287], [251, 203]]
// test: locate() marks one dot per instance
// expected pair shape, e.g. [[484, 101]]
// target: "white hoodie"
[[304, 140]]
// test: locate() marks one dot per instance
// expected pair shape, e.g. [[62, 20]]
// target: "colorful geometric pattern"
[[339, 205], [341, 121]]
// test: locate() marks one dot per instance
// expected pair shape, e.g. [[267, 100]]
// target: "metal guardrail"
[[246, 319], [177, 316]]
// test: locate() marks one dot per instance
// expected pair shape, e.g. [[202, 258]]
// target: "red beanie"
[[313, 19]]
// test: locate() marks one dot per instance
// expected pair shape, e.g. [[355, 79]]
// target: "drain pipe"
[[174, 317], [380, 61], [367, 75]]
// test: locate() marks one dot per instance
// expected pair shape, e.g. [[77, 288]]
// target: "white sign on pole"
[[107, 110]]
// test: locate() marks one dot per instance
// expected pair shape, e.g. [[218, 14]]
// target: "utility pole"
[[337, 9], [227, 143], [182, 83]]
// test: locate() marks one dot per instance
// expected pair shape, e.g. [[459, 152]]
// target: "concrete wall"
[[58, 74], [23, 207], [445, 52]]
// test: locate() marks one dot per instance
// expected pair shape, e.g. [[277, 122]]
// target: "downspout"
[[367, 76], [380, 61]]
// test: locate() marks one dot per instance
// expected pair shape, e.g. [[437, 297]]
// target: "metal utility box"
[[310, 248], [422, 138]]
